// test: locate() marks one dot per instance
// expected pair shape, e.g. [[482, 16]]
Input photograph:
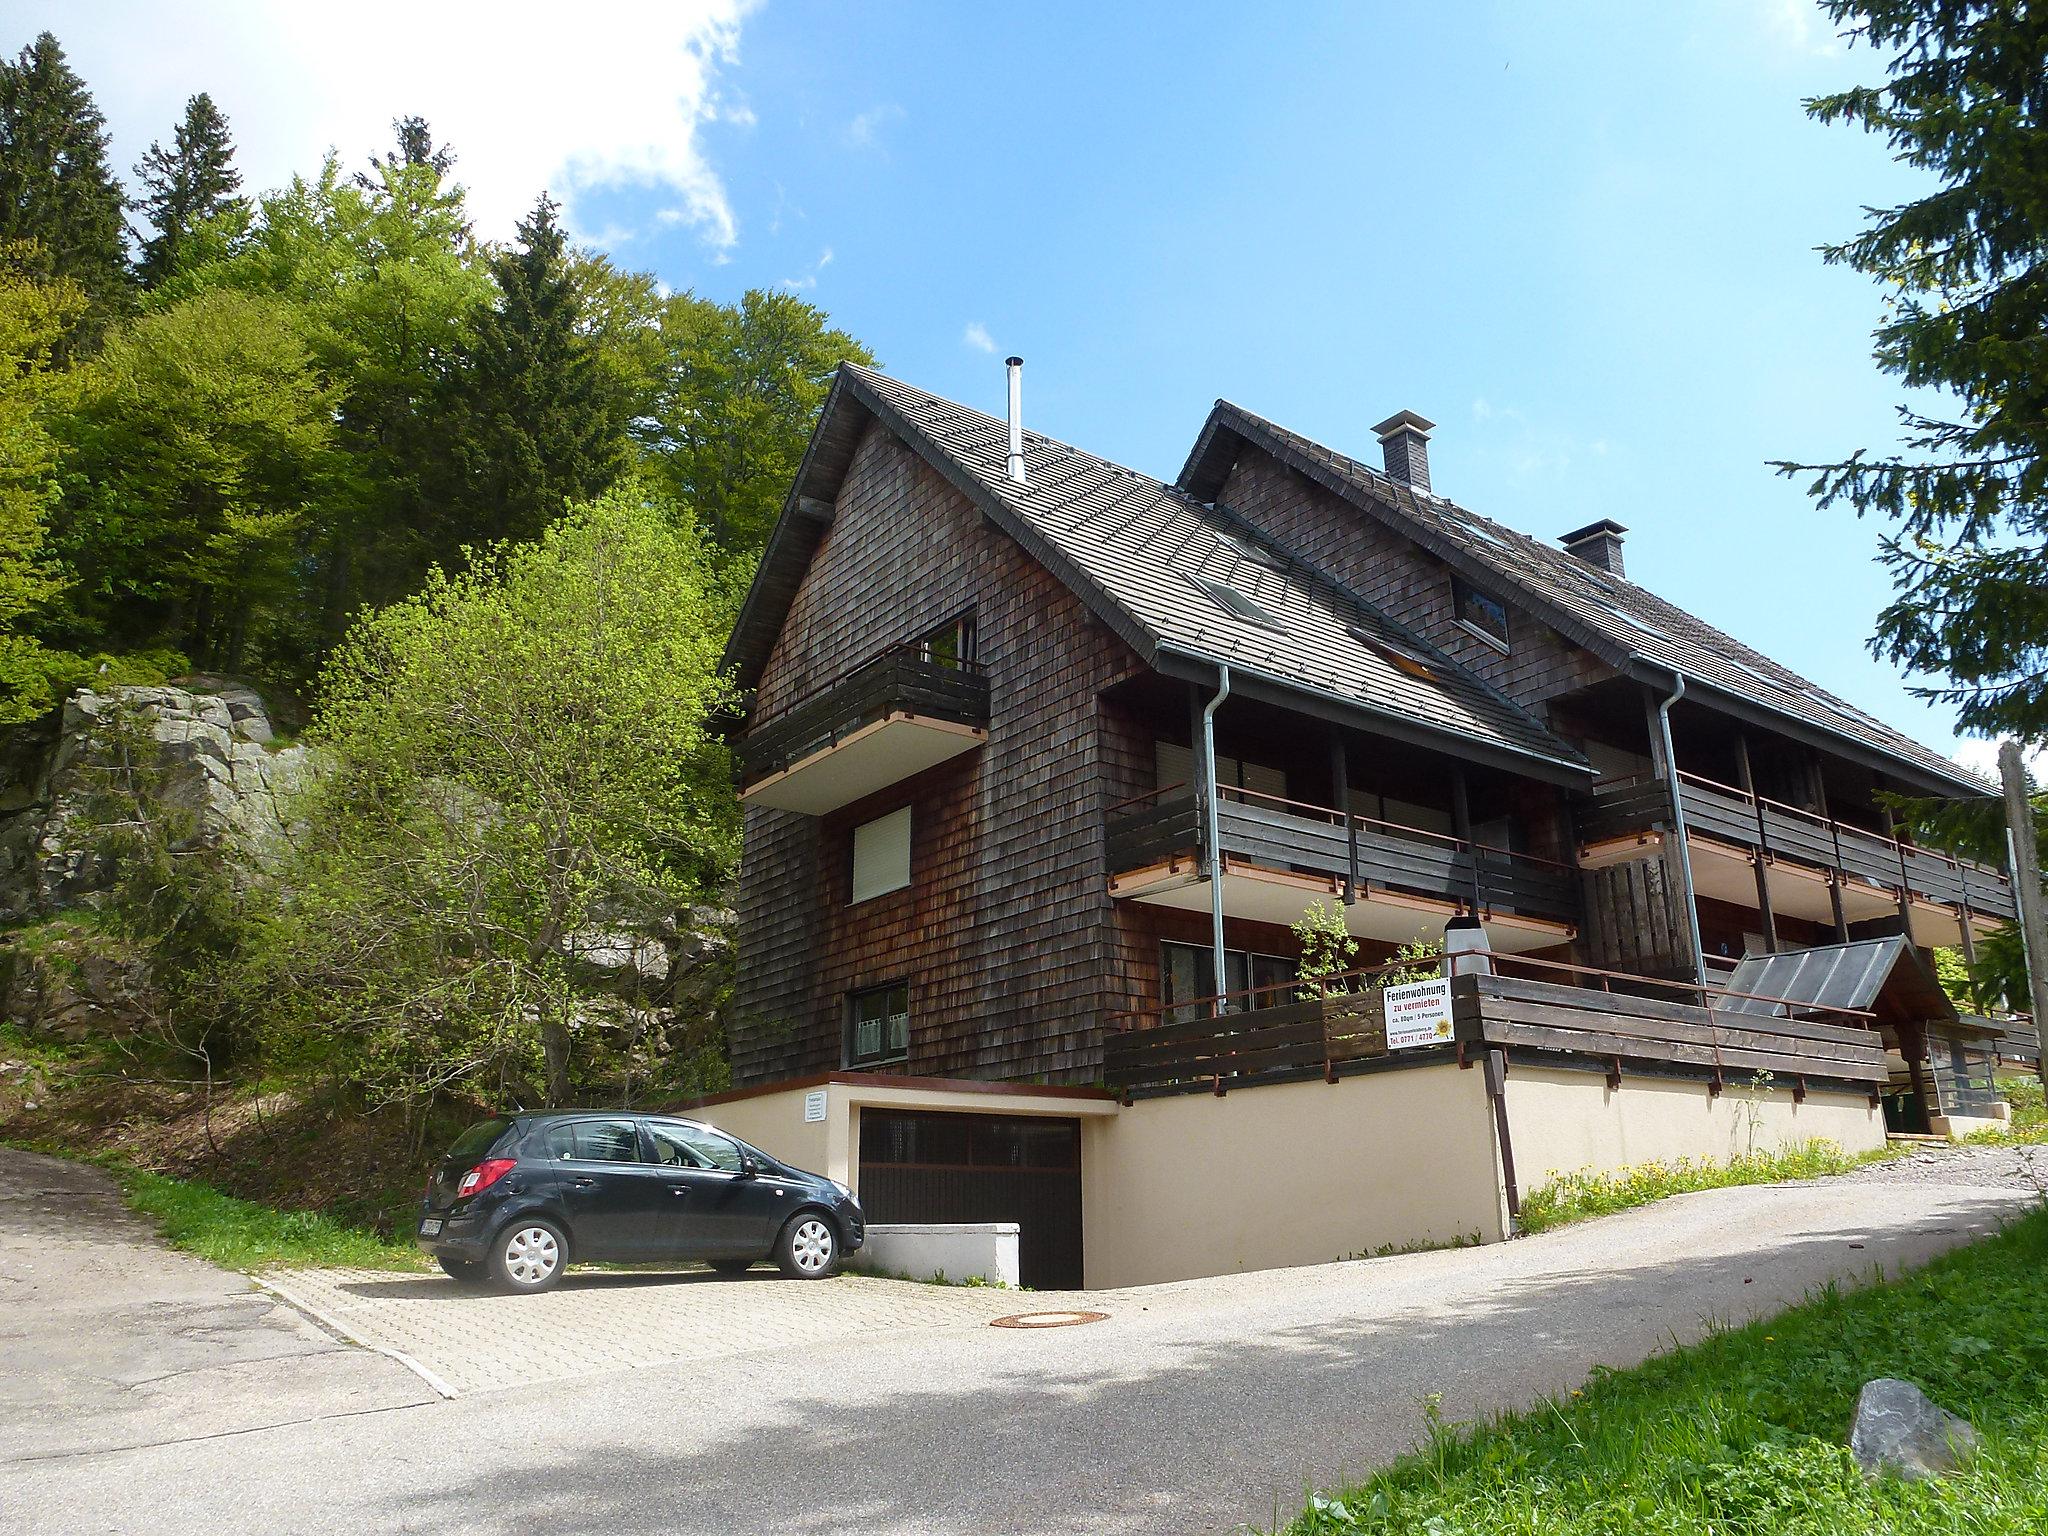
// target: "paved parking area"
[[463, 1340]]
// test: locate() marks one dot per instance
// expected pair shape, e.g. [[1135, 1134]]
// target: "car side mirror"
[[750, 1165]]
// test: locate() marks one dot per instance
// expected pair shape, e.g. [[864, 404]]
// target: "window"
[[595, 1141], [1236, 604], [881, 855], [1485, 616], [692, 1146], [951, 644], [1391, 650], [878, 1025], [1175, 764], [1187, 972]]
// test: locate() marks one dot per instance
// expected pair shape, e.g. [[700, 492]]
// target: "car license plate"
[[431, 1227]]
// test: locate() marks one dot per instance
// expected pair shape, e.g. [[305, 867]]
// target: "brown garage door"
[[917, 1165]]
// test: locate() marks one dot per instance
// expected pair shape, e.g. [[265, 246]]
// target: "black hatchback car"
[[520, 1197]]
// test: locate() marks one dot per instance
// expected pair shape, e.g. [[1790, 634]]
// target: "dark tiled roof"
[[1609, 615], [1137, 549]]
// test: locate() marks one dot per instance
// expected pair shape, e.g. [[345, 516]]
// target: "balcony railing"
[[898, 682], [1276, 1034], [1361, 852], [1631, 806]]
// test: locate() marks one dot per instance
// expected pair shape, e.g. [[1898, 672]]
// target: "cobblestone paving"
[[473, 1341]]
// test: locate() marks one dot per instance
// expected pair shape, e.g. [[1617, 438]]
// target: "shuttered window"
[[1175, 764], [881, 855]]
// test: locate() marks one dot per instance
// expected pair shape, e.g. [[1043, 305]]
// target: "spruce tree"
[[1966, 326], [538, 421], [55, 185], [193, 181]]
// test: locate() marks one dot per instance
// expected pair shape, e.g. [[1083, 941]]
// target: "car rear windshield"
[[478, 1139]]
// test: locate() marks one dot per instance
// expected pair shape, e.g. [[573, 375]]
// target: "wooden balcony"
[[1273, 1035], [1395, 884], [1802, 854], [887, 719]]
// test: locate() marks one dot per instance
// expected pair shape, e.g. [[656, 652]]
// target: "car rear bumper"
[[459, 1237]]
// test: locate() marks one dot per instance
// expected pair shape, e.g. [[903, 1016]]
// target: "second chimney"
[[1597, 544], [1016, 464], [1404, 439]]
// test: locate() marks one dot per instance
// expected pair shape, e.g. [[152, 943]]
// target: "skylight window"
[[1391, 650], [1246, 550], [1237, 605]]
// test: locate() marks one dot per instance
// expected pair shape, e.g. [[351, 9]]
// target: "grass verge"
[[1570, 1197], [240, 1234], [1745, 1433]]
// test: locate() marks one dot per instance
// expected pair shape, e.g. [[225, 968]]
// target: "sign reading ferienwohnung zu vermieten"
[[1418, 1013]]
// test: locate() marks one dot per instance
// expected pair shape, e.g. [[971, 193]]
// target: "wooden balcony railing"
[[1630, 806], [904, 681], [1273, 1034], [1359, 851]]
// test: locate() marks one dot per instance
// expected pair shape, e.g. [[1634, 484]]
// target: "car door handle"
[[586, 1183], [679, 1189]]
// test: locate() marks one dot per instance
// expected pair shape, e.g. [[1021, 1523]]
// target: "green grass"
[[1745, 1433], [239, 1234], [1570, 1197]]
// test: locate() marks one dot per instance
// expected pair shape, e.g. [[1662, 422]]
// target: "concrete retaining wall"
[[984, 1250], [1562, 1121]]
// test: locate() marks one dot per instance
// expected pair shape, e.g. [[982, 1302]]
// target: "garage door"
[[921, 1166]]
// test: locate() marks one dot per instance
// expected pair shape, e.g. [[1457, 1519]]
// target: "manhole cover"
[[1048, 1319]]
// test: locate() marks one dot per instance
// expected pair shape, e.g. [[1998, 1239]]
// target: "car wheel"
[[808, 1248], [468, 1271], [732, 1266], [529, 1255]]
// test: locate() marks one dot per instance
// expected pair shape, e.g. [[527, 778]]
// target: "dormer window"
[[1483, 615]]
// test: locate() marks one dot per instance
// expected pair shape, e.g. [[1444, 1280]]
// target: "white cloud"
[[977, 337], [867, 126], [530, 96], [1981, 757], [1798, 26], [810, 278]]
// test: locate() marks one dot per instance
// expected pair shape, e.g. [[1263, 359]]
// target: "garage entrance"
[[923, 1165]]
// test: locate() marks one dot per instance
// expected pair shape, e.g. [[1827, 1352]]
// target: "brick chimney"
[[1598, 544], [1404, 439]]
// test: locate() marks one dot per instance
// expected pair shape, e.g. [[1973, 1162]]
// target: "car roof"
[[544, 1116]]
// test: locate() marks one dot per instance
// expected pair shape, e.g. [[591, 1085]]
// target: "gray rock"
[[1900, 1432]]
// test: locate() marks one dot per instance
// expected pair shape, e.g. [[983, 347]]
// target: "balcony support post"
[[1212, 836], [1340, 785], [1891, 829], [1820, 800], [1461, 827], [1746, 780]]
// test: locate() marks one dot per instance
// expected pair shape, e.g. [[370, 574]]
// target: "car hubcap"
[[812, 1247], [532, 1255]]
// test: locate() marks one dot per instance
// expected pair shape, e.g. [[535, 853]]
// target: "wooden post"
[[1340, 782], [1747, 782], [1461, 827], [2024, 864], [1820, 799], [1891, 828]]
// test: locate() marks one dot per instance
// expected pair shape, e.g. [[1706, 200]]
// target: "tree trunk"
[[554, 1045]]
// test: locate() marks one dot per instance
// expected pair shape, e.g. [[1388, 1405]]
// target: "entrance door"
[[918, 1165]]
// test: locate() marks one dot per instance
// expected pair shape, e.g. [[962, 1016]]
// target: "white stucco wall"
[[967, 1250], [1569, 1122], [1295, 1173]]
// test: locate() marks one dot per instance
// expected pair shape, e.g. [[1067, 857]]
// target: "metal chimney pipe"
[[1016, 367]]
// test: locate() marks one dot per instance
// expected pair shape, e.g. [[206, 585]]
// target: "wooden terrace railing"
[[1626, 806], [1273, 1033], [903, 679], [1361, 852]]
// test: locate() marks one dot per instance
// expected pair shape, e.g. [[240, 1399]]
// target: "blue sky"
[[1580, 237]]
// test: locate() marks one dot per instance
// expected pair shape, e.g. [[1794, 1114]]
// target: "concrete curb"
[[341, 1330]]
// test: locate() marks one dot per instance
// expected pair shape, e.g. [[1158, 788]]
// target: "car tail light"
[[483, 1176]]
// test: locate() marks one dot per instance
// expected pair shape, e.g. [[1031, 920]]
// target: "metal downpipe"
[[1692, 905], [1210, 832]]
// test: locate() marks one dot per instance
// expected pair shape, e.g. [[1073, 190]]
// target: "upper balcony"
[[1734, 833], [1395, 884], [887, 719]]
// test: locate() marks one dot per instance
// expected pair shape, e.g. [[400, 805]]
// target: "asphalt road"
[[1202, 1406]]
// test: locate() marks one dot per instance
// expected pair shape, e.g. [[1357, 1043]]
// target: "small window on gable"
[[881, 855], [951, 644], [1236, 604], [1485, 616]]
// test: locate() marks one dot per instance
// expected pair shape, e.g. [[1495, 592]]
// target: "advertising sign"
[[1418, 1013], [814, 1105]]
